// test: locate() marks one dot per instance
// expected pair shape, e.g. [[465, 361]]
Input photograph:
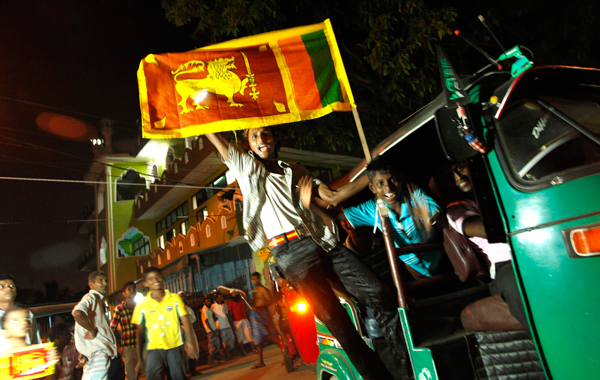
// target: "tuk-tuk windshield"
[[539, 145]]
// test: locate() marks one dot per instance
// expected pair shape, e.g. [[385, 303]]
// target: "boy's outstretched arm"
[[335, 197], [305, 190], [220, 143]]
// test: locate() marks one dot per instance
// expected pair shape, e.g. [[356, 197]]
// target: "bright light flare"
[[155, 151], [300, 307], [200, 96], [139, 297]]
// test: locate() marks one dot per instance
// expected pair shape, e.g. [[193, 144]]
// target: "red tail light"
[[300, 307]]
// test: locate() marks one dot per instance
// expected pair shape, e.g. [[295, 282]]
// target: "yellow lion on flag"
[[220, 81]]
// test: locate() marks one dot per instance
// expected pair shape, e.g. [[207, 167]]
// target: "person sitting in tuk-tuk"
[[411, 214], [454, 184]]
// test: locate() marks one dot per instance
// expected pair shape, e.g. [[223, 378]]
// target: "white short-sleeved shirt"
[[221, 313], [207, 314], [93, 303]]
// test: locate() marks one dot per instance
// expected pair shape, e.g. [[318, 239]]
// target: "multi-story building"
[[172, 204]]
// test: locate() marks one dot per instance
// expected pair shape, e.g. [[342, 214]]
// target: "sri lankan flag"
[[266, 79]]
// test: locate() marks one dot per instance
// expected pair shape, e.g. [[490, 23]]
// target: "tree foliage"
[[388, 47]]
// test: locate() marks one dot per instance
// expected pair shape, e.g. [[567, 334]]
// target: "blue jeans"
[[158, 360], [307, 267]]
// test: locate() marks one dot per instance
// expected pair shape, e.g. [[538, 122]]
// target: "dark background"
[[76, 58], [80, 58]]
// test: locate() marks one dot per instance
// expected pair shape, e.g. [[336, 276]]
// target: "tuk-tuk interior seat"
[[489, 314]]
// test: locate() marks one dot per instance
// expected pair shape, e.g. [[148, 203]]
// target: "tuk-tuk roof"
[[538, 75], [407, 127], [543, 75]]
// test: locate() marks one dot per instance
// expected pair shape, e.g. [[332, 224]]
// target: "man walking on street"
[[122, 316], [212, 333], [93, 337], [224, 325], [263, 329], [158, 317], [237, 312]]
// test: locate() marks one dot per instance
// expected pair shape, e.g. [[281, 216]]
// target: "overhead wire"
[[104, 183], [96, 161]]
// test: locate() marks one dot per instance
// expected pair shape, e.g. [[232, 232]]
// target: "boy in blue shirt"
[[411, 214]]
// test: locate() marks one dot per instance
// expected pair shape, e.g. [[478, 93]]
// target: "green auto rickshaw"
[[538, 188]]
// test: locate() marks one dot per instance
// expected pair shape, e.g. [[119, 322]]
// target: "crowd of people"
[[289, 211], [154, 337]]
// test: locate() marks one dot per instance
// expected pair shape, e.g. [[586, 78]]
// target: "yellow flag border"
[[239, 124]]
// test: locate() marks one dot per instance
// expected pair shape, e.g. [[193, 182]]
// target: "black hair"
[[92, 277], [246, 140], [379, 164], [14, 307], [127, 285], [6, 276], [255, 274], [150, 270], [59, 329], [444, 185]]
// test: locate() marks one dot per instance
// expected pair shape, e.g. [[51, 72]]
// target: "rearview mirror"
[[452, 139]]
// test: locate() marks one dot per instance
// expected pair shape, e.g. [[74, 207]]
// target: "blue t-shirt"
[[404, 231]]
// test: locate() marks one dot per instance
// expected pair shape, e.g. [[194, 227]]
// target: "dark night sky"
[[80, 57]]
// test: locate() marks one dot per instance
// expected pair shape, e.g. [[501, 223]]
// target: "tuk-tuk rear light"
[[300, 307], [585, 241]]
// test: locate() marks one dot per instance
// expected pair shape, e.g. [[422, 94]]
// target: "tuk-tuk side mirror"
[[452, 139]]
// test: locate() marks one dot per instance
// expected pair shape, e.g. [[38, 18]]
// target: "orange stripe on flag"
[[300, 67]]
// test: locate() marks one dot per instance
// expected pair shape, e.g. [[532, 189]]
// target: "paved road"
[[239, 369]]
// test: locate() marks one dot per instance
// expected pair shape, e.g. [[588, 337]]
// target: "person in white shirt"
[[93, 336], [219, 308], [212, 332]]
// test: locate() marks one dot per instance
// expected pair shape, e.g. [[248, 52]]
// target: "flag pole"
[[361, 135]]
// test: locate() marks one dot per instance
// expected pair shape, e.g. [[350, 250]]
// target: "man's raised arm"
[[220, 143]]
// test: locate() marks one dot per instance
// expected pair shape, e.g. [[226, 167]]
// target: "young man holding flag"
[[308, 253]]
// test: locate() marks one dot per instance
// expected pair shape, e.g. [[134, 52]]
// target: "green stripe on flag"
[[317, 47]]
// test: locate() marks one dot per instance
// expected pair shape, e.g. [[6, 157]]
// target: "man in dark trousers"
[[122, 317], [308, 253]]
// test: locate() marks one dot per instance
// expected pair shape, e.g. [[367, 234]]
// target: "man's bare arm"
[[220, 143], [305, 193], [335, 197]]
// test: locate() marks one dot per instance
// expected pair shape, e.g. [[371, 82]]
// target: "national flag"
[[266, 79]]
